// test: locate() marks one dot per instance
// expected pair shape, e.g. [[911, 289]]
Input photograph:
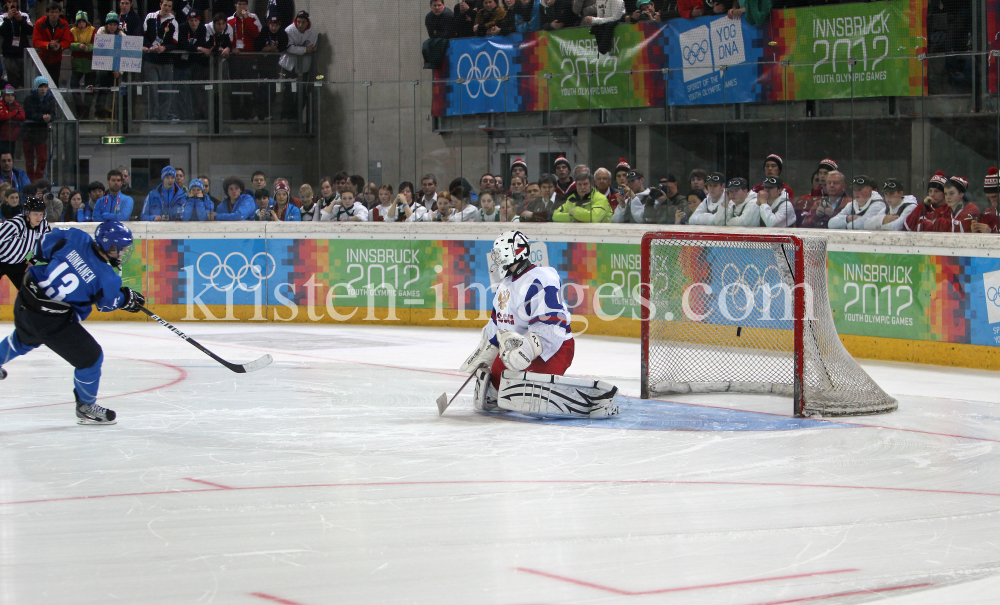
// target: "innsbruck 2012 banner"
[[857, 49]]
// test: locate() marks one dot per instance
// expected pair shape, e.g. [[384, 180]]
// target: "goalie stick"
[[443, 402], [253, 366]]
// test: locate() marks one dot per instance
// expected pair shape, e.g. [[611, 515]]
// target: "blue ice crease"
[[656, 415]]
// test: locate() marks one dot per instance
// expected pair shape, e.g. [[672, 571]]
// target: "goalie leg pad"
[[485, 396], [551, 396]]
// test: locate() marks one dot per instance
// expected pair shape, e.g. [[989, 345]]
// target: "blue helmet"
[[114, 233]]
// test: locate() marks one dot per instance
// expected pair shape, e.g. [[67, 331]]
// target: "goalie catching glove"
[[517, 351], [133, 300], [484, 355]]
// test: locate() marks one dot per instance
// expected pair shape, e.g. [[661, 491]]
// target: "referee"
[[18, 237]]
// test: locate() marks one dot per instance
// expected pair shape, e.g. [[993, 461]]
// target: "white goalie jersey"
[[531, 302]]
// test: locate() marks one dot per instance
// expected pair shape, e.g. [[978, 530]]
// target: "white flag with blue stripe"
[[117, 53]]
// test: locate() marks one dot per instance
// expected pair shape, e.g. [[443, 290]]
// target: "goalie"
[[527, 345]]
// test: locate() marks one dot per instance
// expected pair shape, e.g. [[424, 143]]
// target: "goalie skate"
[[550, 396]]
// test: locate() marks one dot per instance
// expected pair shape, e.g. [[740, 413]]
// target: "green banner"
[[851, 50], [383, 270], [616, 281], [585, 79], [885, 295]]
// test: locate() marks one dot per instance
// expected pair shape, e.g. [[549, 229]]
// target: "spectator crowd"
[[568, 194], [179, 39], [470, 18]]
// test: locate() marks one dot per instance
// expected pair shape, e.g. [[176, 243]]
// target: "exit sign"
[[112, 140]]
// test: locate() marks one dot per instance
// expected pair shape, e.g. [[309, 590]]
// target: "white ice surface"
[[329, 477]]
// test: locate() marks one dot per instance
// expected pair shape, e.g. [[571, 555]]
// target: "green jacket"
[[83, 48], [594, 209]]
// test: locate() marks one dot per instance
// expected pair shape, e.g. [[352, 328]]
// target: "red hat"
[[938, 180], [828, 164], [561, 160], [519, 162], [992, 182], [622, 166], [777, 159], [960, 183]]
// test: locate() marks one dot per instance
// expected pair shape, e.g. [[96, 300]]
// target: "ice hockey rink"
[[329, 477]]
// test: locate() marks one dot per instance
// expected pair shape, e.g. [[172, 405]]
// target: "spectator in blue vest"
[[8, 174], [238, 204], [161, 201], [115, 206], [196, 206]]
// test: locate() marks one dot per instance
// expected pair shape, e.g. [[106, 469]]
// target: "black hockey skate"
[[3, 373], [93, 414]]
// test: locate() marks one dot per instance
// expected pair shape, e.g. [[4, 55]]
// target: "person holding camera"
[[644, 11], [634, 195], [403, 210]]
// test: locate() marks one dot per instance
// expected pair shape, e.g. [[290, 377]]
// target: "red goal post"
[[747, 313]]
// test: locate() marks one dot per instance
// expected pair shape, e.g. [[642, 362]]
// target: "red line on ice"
[[181, 376], [680, 588], [261, 595], [510, 482], [851, 593], [203, 482]]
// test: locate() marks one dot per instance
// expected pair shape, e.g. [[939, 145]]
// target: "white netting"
[[724, 321]]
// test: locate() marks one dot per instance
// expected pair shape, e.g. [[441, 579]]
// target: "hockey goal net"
[[749, 314]]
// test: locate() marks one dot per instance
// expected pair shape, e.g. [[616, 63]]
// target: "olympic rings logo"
[[235, 268], [695, 53], [993, 295], [741, 292], [483, 73]]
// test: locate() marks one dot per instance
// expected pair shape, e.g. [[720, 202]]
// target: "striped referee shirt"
[[17, 239]]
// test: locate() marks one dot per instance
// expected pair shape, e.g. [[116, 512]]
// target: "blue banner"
[[487, 68], [714, 60]]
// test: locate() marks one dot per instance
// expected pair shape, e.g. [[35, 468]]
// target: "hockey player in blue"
[[73, 272]]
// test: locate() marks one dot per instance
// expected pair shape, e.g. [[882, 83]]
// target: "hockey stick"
[[443, 401], [253, 366]]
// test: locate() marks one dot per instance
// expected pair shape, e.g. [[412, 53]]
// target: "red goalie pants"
[[557, 364]]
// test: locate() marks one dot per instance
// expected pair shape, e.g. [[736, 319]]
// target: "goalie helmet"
[[508, 250]]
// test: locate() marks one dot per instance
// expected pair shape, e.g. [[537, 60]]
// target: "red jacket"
[[11, 117], [988, 217], [684, 7], [245, 30], [44, 34], [942, 219]]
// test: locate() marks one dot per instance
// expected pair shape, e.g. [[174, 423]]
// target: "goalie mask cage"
[[748, 314]]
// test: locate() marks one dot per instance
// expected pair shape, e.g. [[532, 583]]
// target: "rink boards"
[[895, 296]]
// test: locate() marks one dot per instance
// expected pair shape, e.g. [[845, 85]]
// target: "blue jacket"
[[18, 179], [292, 213], [243, 210], [531, 25], [160, 201], [75, 273], [191, 209], [118, 208]]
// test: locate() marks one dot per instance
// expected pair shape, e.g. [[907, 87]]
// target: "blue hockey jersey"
[[75, 273]]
